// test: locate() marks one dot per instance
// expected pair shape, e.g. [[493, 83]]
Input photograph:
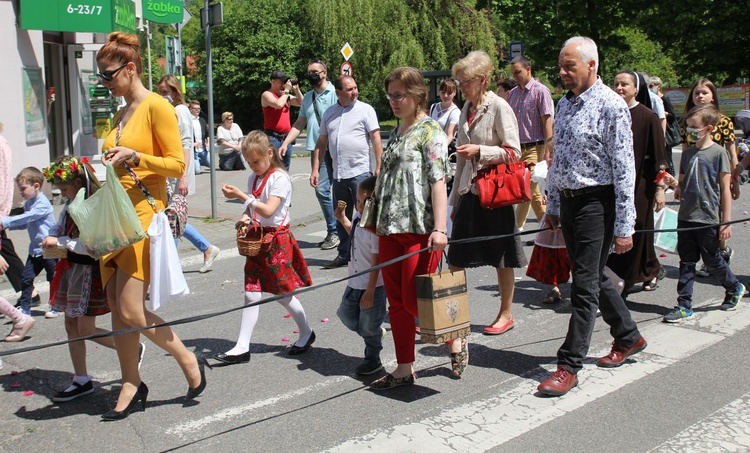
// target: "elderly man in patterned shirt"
[[590, 196]]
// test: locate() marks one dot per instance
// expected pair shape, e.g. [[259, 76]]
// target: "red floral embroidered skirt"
[[279, 268]]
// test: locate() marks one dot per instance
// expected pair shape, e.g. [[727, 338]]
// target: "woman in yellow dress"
[[147, 137]]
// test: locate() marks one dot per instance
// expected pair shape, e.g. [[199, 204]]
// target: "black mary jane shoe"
[[232, 359], [296, 350], [193, 392], [140, 395]]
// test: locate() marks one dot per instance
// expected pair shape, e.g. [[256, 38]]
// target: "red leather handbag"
[[504, 184]]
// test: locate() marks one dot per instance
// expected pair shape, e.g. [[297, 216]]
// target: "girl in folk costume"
[[279, 267], [76, 289]]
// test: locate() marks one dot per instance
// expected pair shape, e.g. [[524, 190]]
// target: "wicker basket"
[[249, 239], [54, 253]]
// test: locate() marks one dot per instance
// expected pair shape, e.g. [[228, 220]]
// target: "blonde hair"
[[226, 115], [30, 175], [175, 87], [256, 144], [121, 47], [476, 64]]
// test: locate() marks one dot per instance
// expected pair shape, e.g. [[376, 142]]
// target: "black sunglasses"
[[107, 76]]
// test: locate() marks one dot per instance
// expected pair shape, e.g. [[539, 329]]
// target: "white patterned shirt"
[[594, 147]]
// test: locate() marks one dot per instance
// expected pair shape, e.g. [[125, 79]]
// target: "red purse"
[[504, 184]]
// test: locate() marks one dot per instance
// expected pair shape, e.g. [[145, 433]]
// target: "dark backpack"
[[673, 125]]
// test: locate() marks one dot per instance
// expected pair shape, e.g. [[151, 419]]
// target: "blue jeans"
[[202, 158], [346, 190], [287, 159], [366, 322], [692, 246], [587, 223], [195, 238], [34, 265], [323, 191]]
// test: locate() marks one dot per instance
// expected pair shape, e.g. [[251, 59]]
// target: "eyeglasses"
[[314, 72], [465, 81], [395, 97], [108, 76], [230, 119]]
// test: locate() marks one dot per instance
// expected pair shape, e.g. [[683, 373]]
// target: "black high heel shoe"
[[140, 395], [193, 392]]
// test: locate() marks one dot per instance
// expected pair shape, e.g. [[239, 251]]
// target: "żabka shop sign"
[[163, 11], [94, 16]]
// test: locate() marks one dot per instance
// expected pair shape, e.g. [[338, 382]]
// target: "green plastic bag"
[[107, 220]]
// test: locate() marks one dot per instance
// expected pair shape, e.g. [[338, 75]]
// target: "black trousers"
[[588, 227], [15, 265]]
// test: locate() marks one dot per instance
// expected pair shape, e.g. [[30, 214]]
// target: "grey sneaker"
[[210, 261], [731, 299], [702, 272], [679, 314], [330, 242]]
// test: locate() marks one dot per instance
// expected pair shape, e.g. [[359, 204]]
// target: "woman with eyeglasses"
[[487, 135], [147, 137], [229, 136], [411, 212]]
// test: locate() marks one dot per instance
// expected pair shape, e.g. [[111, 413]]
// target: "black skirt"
[[470, 221]]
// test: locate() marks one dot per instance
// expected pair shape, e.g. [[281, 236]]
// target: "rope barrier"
[[273, 298]]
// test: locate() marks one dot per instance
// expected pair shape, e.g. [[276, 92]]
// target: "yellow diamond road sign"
[[347, 51]]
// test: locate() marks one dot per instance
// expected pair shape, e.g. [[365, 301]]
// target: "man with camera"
[[275, 103]]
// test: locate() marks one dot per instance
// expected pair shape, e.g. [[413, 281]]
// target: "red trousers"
[[401, 287]]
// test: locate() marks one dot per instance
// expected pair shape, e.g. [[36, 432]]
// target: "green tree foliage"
[[704, 38], [259, 36], [640, 54]]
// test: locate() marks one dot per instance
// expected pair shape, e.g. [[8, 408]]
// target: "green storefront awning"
[[94, 16]]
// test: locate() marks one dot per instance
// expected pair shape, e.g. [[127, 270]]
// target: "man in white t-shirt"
[[347, 129]]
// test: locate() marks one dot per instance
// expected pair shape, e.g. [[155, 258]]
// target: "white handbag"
[[167, 279]]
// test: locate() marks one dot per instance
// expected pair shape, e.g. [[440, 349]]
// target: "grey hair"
[[587, 50], [656, 80]]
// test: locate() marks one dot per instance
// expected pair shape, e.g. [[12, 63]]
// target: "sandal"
[[552, 297], [459, 360], [650, 286]]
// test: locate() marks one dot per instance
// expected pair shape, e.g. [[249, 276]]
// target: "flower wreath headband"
[[70, 169]]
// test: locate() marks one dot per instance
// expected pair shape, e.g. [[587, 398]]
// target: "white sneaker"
[[52, 314], [211, 258]]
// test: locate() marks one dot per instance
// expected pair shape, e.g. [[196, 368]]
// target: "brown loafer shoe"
[[559, 384], [620, 353]]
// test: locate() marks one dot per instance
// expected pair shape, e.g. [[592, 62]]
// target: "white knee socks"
[[294, 307], [250, 318], [247, 324]]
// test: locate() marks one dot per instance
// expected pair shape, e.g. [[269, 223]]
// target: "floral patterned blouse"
[[412, 163], [723, 133]]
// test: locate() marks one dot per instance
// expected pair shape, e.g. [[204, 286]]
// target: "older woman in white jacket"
[[487, 134]]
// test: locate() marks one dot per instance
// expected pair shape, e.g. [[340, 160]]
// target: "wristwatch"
[[131, 159]]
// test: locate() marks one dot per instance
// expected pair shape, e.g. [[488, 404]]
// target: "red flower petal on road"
[[288, 315], [295, 331], [28, 393], [14, 372], [15, 384], [285, 339], [324, 320], [663, 255]]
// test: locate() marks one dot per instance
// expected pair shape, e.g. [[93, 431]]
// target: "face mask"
[[693, 134], [168, 98], [314, 79], [654, 90]]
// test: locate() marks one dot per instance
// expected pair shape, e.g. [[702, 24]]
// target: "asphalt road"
[[688, 391]]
